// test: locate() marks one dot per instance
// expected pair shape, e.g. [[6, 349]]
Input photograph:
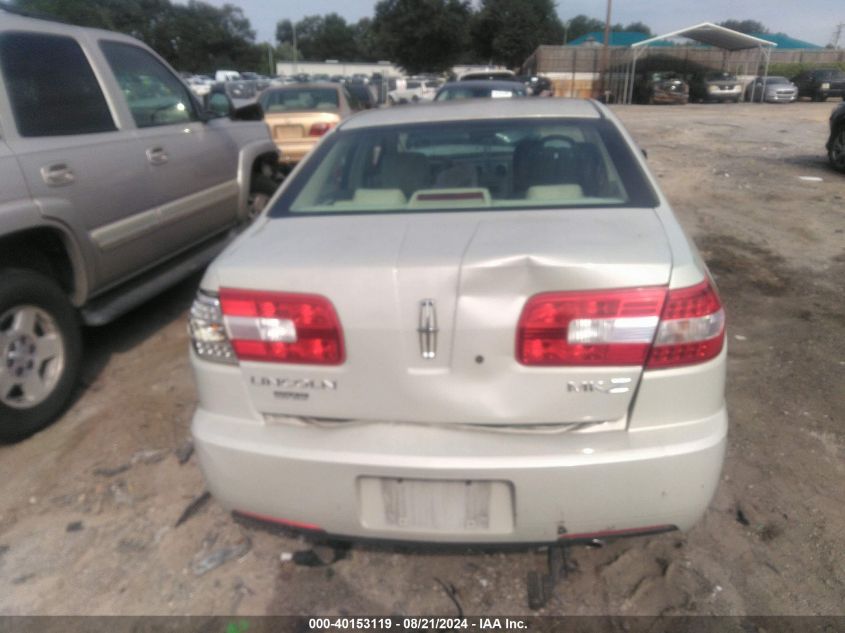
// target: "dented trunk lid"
[[385, 274]]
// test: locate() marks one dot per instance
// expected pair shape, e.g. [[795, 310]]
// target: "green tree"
[[285, 53], [745, 26], [508, 31], [366, 41], [320, 37], [335, 39], [638, 27], [581, 25], [422, 35], [284, 32], [195, 37], [203, 38]]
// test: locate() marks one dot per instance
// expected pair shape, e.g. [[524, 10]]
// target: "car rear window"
[[503, 164], [300, 100], [469, 91]]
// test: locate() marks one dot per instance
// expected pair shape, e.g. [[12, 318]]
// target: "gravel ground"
[[89, 507]]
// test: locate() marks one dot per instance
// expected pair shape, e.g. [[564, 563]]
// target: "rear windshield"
[[488, 76], [300, 100], [469, 91], [504, 164]]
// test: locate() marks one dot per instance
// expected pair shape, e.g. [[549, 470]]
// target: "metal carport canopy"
[[714, 35], [706, 33]]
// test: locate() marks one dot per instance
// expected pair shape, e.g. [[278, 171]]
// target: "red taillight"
[[692, 328], [318, 129], [604, 327], [282, 327], [637, 326]]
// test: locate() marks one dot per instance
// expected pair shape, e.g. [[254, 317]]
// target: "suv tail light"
[[318, 129], [281, 327], [649, 326]]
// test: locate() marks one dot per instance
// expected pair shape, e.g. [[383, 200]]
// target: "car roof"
[[475, 109], [15, 22]]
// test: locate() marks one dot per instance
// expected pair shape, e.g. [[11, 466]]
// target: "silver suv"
[[114, 184]]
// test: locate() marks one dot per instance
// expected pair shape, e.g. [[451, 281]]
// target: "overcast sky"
[[810, 20]]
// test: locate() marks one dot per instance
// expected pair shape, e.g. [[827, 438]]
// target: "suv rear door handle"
[[157, 155], [57, 175]]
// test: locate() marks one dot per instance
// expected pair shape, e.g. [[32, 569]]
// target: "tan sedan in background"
[[300, 114]]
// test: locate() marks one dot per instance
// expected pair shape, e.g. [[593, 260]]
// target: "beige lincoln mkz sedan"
[[473, 322]]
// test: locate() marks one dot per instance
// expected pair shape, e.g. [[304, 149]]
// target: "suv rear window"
[[506, 164], [51, 86]]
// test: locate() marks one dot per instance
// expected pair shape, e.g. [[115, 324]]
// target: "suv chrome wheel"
[[33, 356]]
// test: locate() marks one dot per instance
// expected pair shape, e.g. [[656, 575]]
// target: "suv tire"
[[261, 190], [836, 148], [40, 352]]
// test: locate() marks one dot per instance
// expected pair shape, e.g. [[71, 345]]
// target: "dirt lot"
[[88, 507]]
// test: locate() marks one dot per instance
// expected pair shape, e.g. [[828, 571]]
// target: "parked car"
[[836, 141], [300, 114], [227, 75], [820, 84], [362, 94], [488, 75], [241, 90], [105, 200], [412, 90], [261, 82], [456, 90], [464, 322], [715, 86], [661, 87], [773, 89], [199, 85], [540, 86]]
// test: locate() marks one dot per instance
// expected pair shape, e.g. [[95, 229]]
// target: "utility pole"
[[293, 27], [605, 54], [837, 33]]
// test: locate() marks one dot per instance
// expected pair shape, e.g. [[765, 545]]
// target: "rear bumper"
[[546, 485], [781, 98], [291, 152], [723, 96], [670, 97]]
